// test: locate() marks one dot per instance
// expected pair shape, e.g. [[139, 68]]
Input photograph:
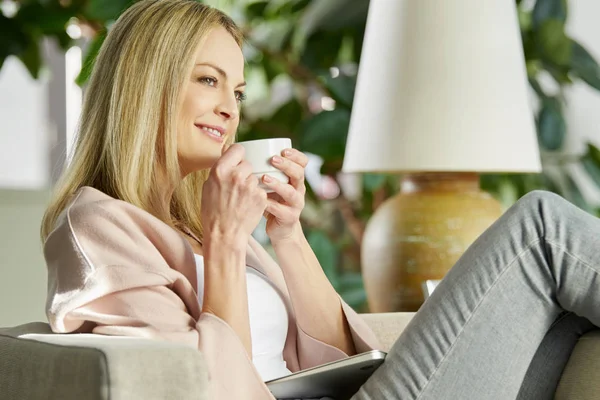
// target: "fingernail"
[[277, 159], [267, 178], [287, 152]]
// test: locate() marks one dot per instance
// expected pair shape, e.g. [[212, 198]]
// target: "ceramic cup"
[[260, 152]]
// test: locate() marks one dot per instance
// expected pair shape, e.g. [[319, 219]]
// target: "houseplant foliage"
[[553, 58], [302, 58]]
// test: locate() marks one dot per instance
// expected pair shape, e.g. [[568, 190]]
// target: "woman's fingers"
[[296, 156], [288, 193], [292, 166], [278, 210]]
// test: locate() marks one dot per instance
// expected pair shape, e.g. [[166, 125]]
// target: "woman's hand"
[[286, 202], [232, 201]]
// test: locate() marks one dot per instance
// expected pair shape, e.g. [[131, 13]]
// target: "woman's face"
[[211, 103]]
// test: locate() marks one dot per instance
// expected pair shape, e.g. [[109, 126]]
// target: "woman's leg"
[[476, 336], [551, 357]]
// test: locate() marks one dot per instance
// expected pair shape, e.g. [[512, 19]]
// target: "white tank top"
[[268, 322]]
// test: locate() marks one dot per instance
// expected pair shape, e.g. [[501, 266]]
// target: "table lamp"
[[441, 97]]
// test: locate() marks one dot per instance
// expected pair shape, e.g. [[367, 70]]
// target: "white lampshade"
[[442, 86]]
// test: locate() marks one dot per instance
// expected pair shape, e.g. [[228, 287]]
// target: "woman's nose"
[[228, 108]]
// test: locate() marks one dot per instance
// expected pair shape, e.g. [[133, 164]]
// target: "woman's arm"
[[232, 205], [225, 290], [322, 316], [318, 307]]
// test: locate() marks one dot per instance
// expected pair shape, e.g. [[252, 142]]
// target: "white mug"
[[260, 152]]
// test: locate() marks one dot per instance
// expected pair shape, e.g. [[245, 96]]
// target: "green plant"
[[302, 58], [553, 58]]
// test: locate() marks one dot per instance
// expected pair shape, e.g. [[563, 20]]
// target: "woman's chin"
[[192, 166]]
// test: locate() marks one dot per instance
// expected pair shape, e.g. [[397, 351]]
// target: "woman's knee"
[[540, 196], [537, 201]]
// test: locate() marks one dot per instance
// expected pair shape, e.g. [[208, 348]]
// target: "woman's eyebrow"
[[220, 71]]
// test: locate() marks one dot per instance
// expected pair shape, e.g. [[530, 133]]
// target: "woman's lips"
[[214, 132]]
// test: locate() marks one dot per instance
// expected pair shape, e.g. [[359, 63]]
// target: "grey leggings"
[[503, 322]]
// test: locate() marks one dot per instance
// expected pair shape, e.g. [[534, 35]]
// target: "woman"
[[148, 234]]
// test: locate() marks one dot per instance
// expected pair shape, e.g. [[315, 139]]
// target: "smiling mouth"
[[211, 131]]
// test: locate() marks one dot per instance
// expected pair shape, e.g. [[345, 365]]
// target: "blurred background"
[[303, 59]]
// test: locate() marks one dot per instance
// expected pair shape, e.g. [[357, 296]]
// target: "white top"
[[268, 322]]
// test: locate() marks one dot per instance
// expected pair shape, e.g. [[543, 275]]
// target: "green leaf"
[[105, 11], [351, 288], [358, 35], [591, 163], [351, 280], [334, 15], [592, 168], [289, 116], [331, 168], [299, 5], [373, 182], [272, 67], [548, 183], [355, 298], [559, 73], [594, 153], [508, 190], [288, 7], [256, 9], [49, 19], [555, 45], [535, 85], [13, 39], [90, 58], [549, 9], [32, 59], [325, 134], [326, 253], [530, 48], [64, 40], [584, 66], [574, 194], [525, 19], [341, 88], [321, 50], [551, 125], [489, 182]]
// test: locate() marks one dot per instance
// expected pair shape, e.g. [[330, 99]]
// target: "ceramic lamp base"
[[419, 234]]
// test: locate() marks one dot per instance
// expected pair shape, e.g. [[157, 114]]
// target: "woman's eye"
[[240, 96], [210, 81]]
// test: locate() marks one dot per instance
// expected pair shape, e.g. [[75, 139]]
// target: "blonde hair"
[[127, 138]]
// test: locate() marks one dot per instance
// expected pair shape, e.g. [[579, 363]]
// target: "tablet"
[[338, 379]]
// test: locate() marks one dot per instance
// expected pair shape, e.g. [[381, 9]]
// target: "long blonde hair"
[[127, 139]]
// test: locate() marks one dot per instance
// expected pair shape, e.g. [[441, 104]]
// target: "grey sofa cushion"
[[388, 326], [35, 364]]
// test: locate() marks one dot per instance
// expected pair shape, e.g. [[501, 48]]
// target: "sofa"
[[37, 364]]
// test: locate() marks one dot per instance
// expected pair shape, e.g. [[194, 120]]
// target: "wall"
[[32, 146], [22, 270], [25, 134]]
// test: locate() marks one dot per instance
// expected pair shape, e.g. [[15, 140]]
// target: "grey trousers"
[[504, 320]]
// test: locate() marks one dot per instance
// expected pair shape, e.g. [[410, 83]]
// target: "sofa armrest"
[[387, 326], [84, 366]]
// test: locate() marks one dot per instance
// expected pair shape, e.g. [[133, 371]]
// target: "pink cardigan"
[[115, 269]]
